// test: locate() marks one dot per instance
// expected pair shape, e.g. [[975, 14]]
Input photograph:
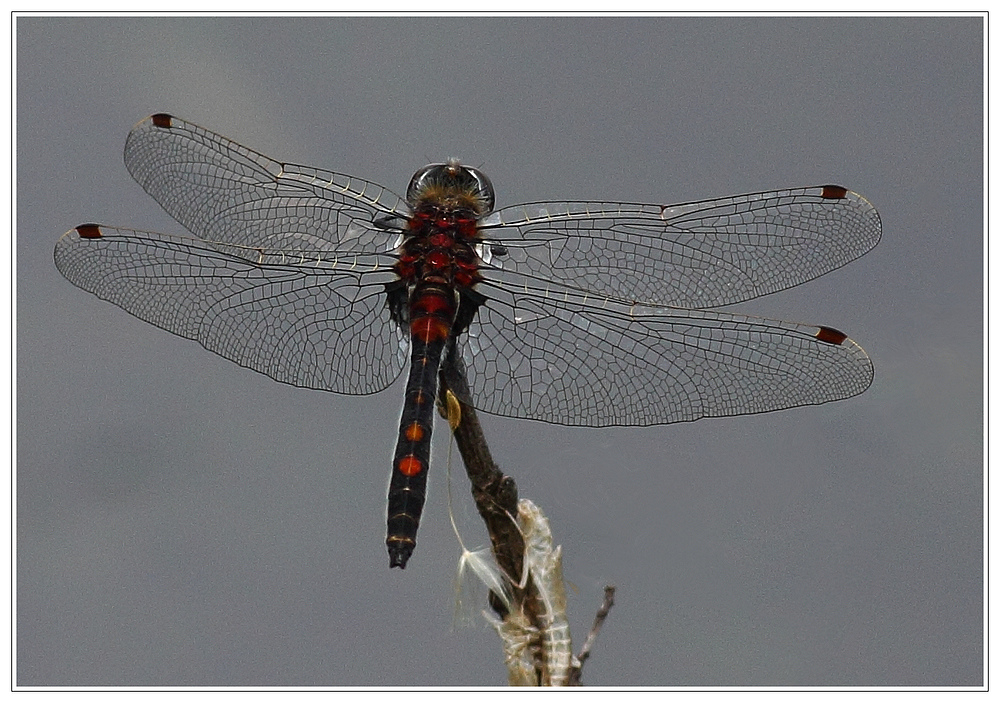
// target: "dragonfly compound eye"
[[452, 180]]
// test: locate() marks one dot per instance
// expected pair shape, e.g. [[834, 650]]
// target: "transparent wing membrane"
[[224, 192], [696, 255], [576, 363], [303, 324]]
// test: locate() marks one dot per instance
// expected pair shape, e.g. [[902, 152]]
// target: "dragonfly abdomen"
[[432, 314]]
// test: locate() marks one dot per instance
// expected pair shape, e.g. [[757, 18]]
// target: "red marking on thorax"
[[441, 240], [437, 260]]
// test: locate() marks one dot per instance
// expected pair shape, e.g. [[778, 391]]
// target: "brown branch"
[[532, 617], [495, 493]]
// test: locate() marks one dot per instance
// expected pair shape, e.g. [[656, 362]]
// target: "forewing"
[[692, 255], [224, 192], [300, 319], [581, 361]]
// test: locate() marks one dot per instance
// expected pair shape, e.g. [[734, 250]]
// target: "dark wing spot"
[[834, 192], [89, 231], [162, 119], [831, 336]]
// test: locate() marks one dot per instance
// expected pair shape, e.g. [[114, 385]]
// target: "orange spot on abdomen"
[[410, 465], [414, 432]]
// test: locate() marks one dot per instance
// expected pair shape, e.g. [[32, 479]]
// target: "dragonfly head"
[[452, 185]]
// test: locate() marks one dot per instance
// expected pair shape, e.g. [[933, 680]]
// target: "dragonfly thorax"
[[439, 247]]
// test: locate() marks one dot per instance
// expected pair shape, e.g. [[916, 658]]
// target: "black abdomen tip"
[[399, 553]]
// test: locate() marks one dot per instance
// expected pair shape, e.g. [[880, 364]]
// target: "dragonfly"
[[586, 313]]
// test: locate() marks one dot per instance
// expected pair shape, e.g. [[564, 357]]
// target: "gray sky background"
[[185, 521]]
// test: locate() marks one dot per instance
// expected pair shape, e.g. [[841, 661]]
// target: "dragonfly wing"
[[225, 192], [579, 361], [317, 324], [692, 255]]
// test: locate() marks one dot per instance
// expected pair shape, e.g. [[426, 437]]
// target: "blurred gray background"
[[185, 521]]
